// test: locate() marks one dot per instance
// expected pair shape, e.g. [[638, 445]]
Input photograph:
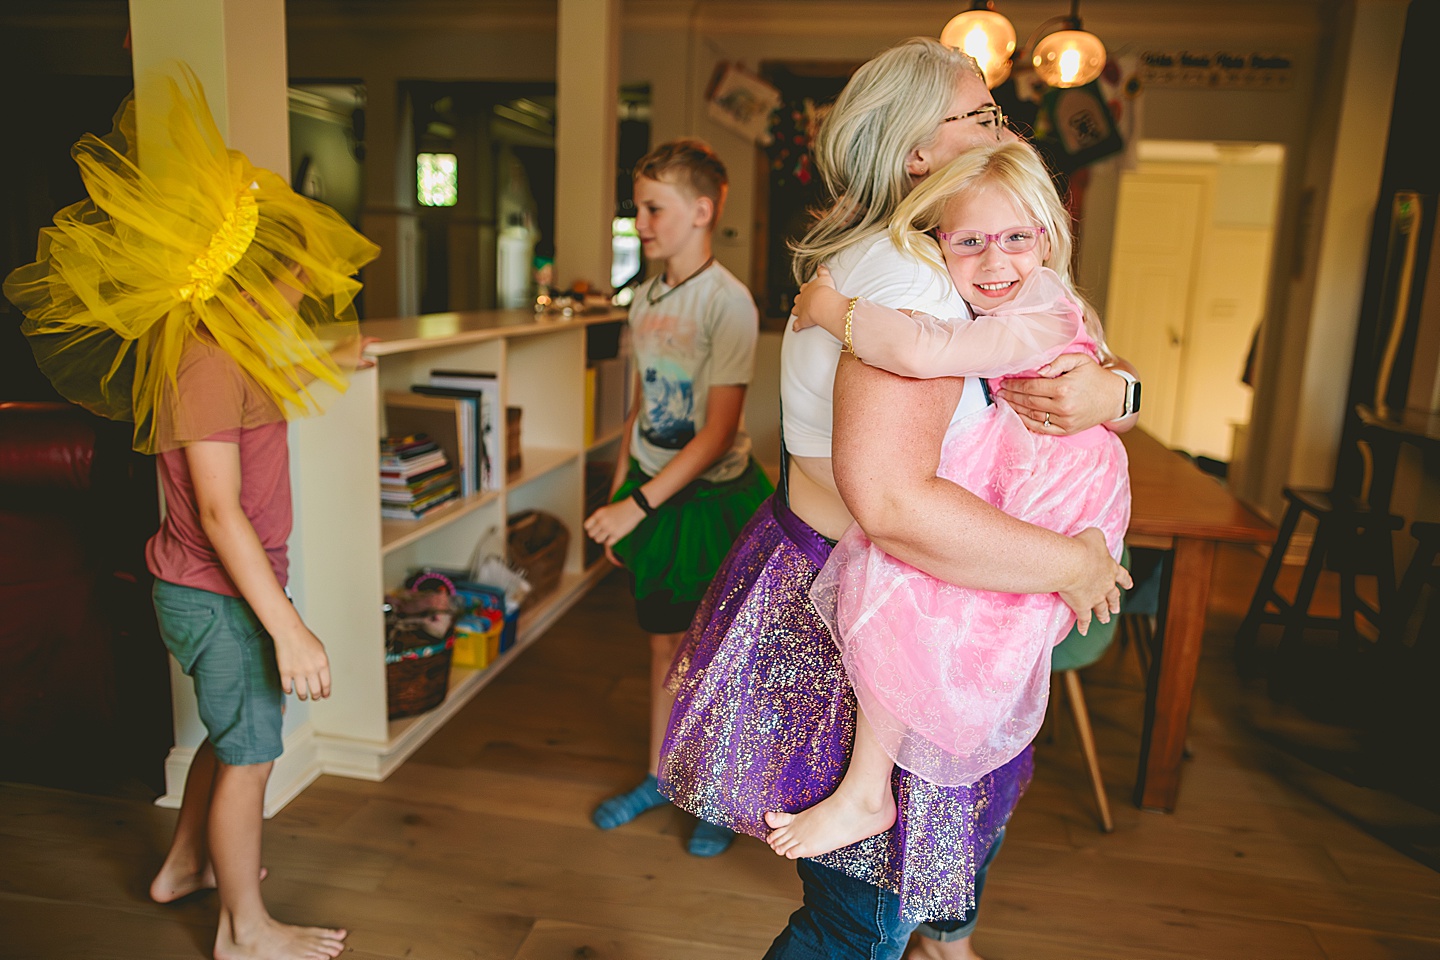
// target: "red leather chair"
[[84, 692]]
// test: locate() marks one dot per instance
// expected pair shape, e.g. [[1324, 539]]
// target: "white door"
[[1152, 278]]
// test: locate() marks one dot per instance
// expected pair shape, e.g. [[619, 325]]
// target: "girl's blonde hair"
[[1017, 172], [892, 104]]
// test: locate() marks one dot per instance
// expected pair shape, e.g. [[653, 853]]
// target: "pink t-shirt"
[[219, 402]]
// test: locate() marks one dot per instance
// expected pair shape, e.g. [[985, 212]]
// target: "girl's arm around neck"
[[915, 344]]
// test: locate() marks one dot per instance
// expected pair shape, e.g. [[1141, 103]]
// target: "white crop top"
[[883, 274]]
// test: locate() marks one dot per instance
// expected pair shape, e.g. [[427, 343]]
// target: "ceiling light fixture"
[[1069, 57], [985, 35]]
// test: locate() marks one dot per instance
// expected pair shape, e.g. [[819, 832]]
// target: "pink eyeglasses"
[[972, 243]]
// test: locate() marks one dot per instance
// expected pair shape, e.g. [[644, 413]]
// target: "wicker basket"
[[419, 640], [538, 543]]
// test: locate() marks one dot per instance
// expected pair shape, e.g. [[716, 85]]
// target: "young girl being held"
[[951, 681]]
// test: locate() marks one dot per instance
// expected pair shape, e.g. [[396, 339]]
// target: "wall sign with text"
[[1244, 71]]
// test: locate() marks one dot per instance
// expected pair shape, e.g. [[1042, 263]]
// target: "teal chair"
[[1068, 658]]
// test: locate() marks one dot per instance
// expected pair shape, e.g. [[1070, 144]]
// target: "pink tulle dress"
[[954, 680]]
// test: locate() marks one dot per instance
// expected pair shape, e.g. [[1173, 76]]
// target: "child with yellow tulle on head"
[[206, 302]]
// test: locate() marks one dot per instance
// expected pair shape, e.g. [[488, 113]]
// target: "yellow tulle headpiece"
[[199, 243]]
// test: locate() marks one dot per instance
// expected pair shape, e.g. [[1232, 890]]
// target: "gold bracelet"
[[849, 346]]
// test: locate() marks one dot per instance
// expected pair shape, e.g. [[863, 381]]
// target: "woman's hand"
[[613, 523], [820, 304], [1072, 393], [1096, 592]]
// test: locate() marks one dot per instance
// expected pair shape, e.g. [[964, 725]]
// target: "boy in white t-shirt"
[[685, 483]]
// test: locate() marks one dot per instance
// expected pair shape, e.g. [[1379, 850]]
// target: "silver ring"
[[1047, 419]]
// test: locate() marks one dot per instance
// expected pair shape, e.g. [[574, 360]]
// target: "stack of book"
[[415, 477], [476, 397]]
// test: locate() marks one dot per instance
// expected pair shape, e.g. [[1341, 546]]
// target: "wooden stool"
[[1351, 538], [1423, 571]]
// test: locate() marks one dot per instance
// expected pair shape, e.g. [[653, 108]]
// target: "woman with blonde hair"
[[951, 681], [765, 715]]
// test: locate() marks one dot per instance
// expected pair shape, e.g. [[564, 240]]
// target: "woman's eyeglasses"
[[972, 243], [989, 116]]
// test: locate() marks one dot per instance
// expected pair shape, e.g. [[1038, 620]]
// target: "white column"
[[587, 80], [237, 50], [1351, 195], [391, 288]]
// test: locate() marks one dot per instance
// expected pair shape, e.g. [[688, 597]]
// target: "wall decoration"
[[742, 102], [792, 132], [1081, 125], [1218, 69]]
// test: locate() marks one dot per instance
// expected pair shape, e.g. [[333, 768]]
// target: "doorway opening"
[[1189, 281]]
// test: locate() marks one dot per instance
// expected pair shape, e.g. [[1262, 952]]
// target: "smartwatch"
[[1132, 393]]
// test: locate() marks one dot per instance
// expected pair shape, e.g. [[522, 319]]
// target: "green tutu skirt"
[[679, 547]]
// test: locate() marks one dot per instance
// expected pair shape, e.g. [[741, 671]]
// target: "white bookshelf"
[[344, 557]]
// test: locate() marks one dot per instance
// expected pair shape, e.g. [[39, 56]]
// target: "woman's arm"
[[614, 522], [215, 475], [888, 436], [1076, 393]]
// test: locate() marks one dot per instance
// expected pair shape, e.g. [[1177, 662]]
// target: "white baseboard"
[[295, 770]]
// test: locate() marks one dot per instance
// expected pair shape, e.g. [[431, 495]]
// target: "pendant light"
[[985, 35], [1070, 57]]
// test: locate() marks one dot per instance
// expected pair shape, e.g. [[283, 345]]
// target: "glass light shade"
[[1069, 58], [988, 37]]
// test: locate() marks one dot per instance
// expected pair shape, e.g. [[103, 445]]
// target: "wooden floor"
[[481, 845]]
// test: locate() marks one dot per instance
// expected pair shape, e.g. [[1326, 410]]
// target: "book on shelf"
[[490, 435], [415, 477], [476, 402], [448, 421]]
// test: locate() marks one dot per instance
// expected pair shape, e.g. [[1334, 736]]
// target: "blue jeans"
[[847, 918]]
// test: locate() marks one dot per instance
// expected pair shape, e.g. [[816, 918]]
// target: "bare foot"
[[924, 948], [172, 883], [837, 821], [273, 940]]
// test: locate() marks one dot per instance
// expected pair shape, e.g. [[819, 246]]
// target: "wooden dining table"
[[1178, 508]]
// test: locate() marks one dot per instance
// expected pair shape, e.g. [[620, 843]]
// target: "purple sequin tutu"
[[764, 718]]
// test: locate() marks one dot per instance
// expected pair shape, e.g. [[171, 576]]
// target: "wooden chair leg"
[[1144, 626], [1298, 614], [1265, 588], [1087, 743]]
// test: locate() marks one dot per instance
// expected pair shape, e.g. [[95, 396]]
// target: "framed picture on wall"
[[740, 101]]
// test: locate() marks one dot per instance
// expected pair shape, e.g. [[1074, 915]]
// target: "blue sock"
[[709, 839], [624, 807]]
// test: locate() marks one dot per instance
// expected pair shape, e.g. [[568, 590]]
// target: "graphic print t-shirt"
[[692, 337]]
